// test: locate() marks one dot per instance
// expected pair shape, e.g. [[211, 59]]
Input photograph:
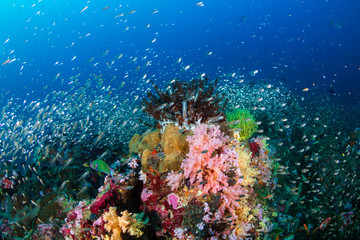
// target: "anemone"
[[186, 103]]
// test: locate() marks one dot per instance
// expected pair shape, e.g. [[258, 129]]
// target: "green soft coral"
[[242, 122]]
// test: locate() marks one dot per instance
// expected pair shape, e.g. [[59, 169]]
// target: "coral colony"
[[198, 176]]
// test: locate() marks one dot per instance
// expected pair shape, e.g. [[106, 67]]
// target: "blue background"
[[290, 41]]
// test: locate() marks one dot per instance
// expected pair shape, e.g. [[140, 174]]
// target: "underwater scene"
[[179, 119]]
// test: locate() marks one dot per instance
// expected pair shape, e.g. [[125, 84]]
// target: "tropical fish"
[[101, 166], [200, 4], [84, 9], [306, 228], [7, 61], [242, 18], [336, 25], [325, 223]]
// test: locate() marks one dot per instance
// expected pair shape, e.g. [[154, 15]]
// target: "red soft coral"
[[254, 148], [108, 199], [155, 198]]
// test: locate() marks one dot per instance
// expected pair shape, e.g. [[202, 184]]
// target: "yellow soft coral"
[[126, 223], [247, 171], [250, 174], [115, 224]]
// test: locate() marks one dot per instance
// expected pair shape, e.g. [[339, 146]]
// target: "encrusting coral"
[[149, 141], [134, 143], [163, 152]]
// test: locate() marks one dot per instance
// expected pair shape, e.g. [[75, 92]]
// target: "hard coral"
[[186, 102]]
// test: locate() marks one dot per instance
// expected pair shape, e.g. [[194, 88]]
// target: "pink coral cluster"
[[209, 161], [211, 167]]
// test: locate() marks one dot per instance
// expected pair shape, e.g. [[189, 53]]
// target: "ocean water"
[[275, 82]]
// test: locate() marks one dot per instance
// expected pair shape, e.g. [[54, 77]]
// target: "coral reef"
[[197, 177]]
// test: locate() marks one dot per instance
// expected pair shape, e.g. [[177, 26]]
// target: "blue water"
[[293, 40]]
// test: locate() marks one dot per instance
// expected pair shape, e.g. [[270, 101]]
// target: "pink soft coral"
[[208, 162], [145, 194]]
